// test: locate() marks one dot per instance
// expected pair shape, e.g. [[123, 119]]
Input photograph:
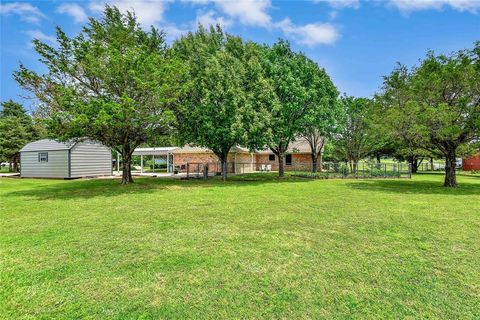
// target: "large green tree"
[[113, 83], [321, 121], [354, 141], [303, 92], [227, 97], [441, 111], [16, 129], [394, 125]]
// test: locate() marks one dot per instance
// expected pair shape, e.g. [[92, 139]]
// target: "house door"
[[288, 159]]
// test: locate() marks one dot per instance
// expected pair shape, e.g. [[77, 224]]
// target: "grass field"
[[247, 248], [4, 169]]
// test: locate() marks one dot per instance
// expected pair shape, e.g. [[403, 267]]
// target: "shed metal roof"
[[48, 145]]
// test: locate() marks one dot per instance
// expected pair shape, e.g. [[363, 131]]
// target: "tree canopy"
[[122, 85], [226, 102], [354, 141], [303, 101], [16, 129], [112, 83], [436, 106]]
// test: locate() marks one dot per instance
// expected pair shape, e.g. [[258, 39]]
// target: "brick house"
[[241, 160], [472, 163]]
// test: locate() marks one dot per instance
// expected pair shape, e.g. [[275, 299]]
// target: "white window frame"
[[43, 157]]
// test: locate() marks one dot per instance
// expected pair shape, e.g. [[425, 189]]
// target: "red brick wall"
[[181, 159], [297, 160], [243, 161], [472, 163]]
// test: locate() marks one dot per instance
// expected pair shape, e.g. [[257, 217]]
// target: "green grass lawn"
[[4, 169], [247, 248]]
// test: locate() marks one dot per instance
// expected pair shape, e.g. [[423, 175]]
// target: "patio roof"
[[157, 151]]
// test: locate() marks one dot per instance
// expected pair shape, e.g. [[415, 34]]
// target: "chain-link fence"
[[325, 170], [356, 170], [205, 170]]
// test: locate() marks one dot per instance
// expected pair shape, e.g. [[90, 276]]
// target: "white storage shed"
[[52, 159]]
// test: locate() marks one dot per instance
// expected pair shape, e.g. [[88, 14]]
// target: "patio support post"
[[141, 163], [153, 159], [168, 162]]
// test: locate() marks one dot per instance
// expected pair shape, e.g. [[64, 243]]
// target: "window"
[[43, 157], [271, 157], [288, 159]]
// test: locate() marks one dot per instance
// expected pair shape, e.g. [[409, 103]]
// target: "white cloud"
[[248, 12], [310, 34], [25, 10], [173, 32], [209, 18], [148, 12], [73, 10], [340, 4], [415, 5], [196, 1], [37, 34]]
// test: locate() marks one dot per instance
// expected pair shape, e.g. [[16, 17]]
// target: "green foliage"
[[304, 101], [354, 141], [322, 119], [113, 83], [436, 106], [227, 97], [16, 129]]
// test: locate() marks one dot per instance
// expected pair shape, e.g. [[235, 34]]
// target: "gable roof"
[[300, 145], [192, 149], [48, 145]]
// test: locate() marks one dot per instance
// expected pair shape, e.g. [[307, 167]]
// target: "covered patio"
[[155, 154], [164, 153]]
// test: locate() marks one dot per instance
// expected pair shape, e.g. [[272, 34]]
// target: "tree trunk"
[[314, 162], [16, 160], [413, 164], [450, 168], [320, 162], [378, 158], [223, 158], [127, 167], [281, 165], [431, 164], [223, 164]]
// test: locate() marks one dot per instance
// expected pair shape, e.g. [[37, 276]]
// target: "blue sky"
[[356, 41]]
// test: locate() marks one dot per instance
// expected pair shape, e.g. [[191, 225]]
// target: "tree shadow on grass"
[[416, 187], [93, 188]]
